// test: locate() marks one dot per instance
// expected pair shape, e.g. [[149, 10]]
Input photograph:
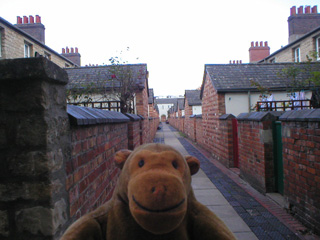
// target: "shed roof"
[[193, 97], [239, 77], [107, 76]]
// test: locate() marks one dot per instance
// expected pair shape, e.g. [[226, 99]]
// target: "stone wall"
[[34, 147], [301, 162]]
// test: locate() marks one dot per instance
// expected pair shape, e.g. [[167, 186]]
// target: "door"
[[278, 162]]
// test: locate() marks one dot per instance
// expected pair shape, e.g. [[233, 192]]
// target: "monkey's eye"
[[175, 164], [141, 163]]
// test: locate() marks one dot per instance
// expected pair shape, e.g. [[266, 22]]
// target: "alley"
[[248, 214]]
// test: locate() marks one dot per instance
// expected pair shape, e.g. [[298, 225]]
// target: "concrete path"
[[242, 213], [207, 193]]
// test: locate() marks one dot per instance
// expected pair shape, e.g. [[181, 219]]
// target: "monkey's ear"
[[121, 156], [193, 163]]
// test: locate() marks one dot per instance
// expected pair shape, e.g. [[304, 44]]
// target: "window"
[[27, 50], [297, 55], [318, 48]]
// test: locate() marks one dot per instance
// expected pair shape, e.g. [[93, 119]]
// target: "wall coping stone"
[[227, 116], [310, 115], [259, 116], [90, 116], [133, 117], [32, 68], [140, 116], [199, 116]]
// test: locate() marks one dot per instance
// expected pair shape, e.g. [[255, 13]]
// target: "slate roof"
[[193, 97], [181, 103], [166, 100], [237, 77], [102, 76]]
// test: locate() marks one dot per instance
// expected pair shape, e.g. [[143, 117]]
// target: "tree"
[[117, 81]]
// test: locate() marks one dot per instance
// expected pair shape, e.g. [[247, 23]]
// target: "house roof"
[[238, 77], [291, 44], [193, 97], [166, 100], [20, 31], [106, 76], [181, 103]]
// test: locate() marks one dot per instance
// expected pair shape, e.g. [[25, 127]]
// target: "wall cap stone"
[[259, 116], [310, 115], [226, 116], [90, 116], [32, 68], [133, 117]]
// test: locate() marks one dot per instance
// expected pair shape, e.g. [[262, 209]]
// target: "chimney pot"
[[266, 44], [293, 11], [314, 9], [72, 51], [237, 61], [76, 49], [63, 51], [256, 44], [19, 20], [31, 19], [307, 10], [261, 44], [38, 19], [252, 44], [230, 62], [300, 10], [25, 19], [240, 61], [67, 49], [234, 61]]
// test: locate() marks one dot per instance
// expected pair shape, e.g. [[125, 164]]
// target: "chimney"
[[258, 52], [302, 22], [34, 29], [74, 56]]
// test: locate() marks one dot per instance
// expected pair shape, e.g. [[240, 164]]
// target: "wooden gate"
[[235, 143]]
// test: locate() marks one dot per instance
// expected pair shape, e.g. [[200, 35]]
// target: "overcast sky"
[[175, 38]]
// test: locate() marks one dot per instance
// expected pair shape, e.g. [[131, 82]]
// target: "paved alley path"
[[241, 212]]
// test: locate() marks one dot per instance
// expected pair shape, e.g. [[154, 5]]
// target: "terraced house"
[[27, 39]]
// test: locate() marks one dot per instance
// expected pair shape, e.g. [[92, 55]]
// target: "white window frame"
[[297, 54], [318, 48], [27, 49]]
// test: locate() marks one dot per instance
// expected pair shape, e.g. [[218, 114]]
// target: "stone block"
[[4, 224], [36, 220]]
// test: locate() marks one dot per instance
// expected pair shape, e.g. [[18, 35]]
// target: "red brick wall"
[[213, 106], [301, 162], [256, 153], [142, 109], [188, 122], [133, 134], [199, 130], [91, 172]]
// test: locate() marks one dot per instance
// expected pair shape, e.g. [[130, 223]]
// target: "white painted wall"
[[196, 110], [163, 109], [237, 103]]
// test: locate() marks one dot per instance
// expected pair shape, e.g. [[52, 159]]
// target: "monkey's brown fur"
[[153, 200]]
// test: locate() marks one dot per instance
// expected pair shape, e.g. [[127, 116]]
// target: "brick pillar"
[[256, 149], [34, 146]]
